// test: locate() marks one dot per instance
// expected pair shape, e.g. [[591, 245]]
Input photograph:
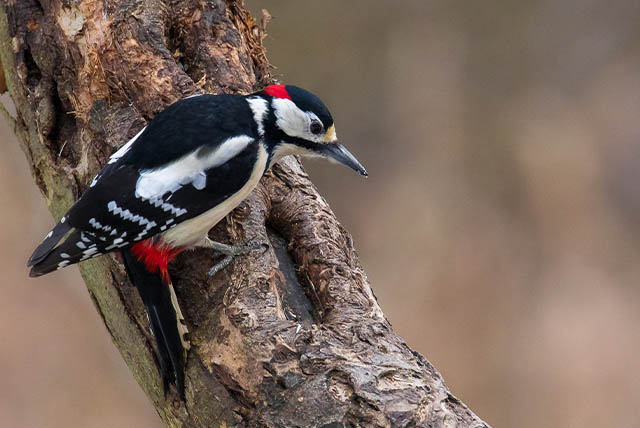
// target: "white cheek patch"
[[290, 118], [296, 123], [189, 169]]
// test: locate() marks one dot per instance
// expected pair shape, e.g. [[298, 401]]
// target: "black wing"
[[111, 215]]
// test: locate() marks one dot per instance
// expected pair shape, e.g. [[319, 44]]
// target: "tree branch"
[[3, 83], [290, 337]]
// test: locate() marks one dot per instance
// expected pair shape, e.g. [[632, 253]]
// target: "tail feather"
[[156, 293], [49, 242], [155, 289]]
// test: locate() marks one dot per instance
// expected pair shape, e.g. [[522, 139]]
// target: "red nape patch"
[[277, 91], [155, 257]]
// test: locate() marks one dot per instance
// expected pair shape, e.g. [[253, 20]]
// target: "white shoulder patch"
[[189, 169], [124, 149], [259, 107]]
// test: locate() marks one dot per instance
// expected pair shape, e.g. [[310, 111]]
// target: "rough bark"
[[290, 337]]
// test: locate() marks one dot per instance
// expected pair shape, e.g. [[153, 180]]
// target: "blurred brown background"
[[499, 225]]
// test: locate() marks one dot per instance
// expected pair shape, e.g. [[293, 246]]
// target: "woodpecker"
[[162, 191]]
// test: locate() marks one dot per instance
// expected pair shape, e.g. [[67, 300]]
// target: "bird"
[[162, 191]]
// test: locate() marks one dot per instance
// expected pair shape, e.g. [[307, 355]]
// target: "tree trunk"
[[290, 337]]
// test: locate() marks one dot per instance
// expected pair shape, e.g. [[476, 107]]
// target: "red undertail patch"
[[277, 91], [155, 257]]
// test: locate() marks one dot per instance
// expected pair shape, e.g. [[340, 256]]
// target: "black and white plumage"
[[180, 175], [188, 160]]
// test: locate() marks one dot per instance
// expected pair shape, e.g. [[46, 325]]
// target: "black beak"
[[336, 151]]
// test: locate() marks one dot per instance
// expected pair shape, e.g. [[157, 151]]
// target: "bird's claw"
[[231, 251]]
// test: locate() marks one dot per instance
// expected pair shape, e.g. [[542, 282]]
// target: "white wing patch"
[[118, 154], [89, 253], [97, 225], [135, 218], [159, 203], [124, 149], [128, 215], [259, 107], [95, 180], [189, 169], [190, 232]]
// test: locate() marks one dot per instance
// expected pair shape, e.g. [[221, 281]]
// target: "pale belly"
[[191, 232]]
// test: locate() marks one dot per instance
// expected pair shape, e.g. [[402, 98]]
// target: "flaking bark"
[[289, 337]]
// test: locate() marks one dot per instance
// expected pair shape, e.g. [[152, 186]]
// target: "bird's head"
[[301, 124]]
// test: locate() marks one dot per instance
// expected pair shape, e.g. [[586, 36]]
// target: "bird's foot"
[[231, 251]]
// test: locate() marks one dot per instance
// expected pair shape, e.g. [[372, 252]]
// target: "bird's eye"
[[316, 127]]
